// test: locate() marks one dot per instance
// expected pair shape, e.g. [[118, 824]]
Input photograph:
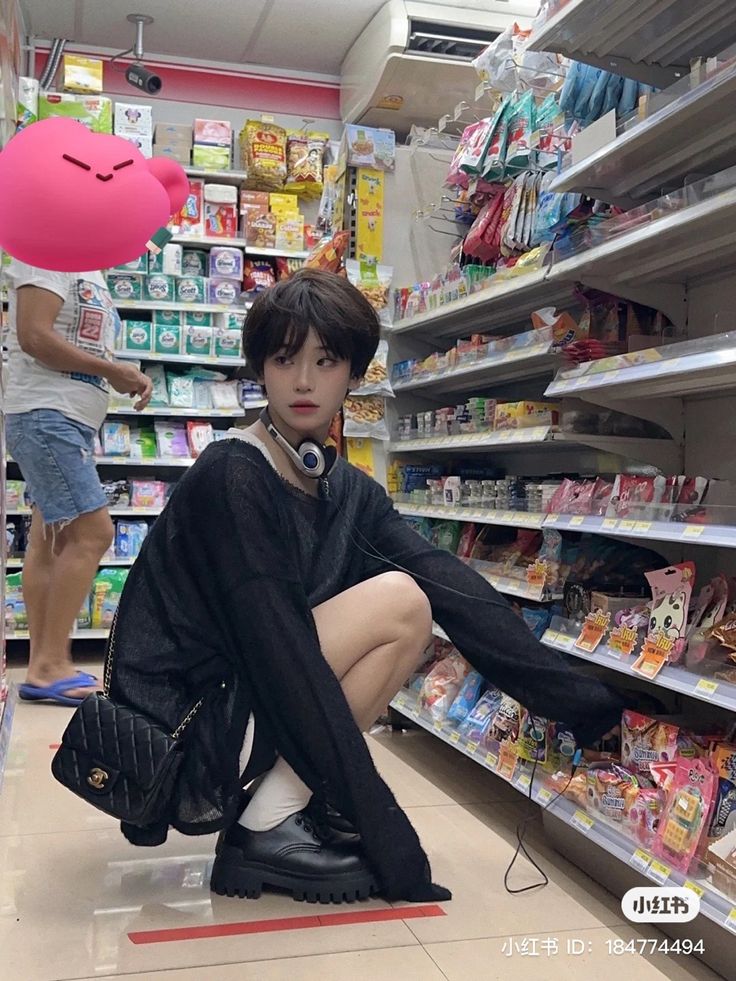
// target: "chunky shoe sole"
[[231, 878]]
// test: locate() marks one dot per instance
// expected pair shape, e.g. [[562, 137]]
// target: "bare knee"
[[409, 608], [92, 533]]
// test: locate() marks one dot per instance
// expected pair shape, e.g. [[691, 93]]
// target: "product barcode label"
[[658, 872], [707, 688], [640, 860], [582, 822]]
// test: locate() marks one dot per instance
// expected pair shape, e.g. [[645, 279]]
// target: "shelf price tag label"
[[544, 796], [400, 701], [455, 737], [730, 922], [438, 726], [609, 524], [552, 519], [536, 574], [640, 860], [706, 687], [472, 748], [693, 887], [626, 525], [551, 637], [524, 782], [658, 872], [582, 822], [507, 517], [492, 760], [578, 520], [693, 531], [643, 526]]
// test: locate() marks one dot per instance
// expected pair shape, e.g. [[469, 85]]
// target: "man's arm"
[[37, 310], [487, 632]]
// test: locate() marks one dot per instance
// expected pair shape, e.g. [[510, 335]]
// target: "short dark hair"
[[280, 319]]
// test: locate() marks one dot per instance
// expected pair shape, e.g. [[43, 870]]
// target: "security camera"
[[142, 79]]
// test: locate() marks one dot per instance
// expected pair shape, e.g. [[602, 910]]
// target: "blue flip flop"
[[56, 691]]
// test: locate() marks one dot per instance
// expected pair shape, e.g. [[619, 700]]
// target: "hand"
[[128, 380]]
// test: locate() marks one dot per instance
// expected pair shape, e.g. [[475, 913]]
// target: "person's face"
[[305, 391]]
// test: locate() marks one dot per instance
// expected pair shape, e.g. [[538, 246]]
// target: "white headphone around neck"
[[311, 458]]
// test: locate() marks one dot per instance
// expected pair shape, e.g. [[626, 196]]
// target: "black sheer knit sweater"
[[219, 602]]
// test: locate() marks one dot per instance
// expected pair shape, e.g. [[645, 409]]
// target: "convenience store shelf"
[[219, 176], [113, 512], [158, 461], [653, 531], [195, 307], [650, 40], [510, 586], [193, 359], [237, 243], [482, 516], [713, 904], [7, 712], [663, 372], [90, 633], [563, 634], [529, 362], [661, 150], [15, 565], [473, 442], [162, 410]]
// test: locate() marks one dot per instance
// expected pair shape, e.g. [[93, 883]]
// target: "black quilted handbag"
[[117, 758]]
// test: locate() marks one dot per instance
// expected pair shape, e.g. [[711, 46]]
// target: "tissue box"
[[213, 132], [182, 155], [168, 260], [190, 220], [220, 220], [226, 262], [230, 321], [211, 157], [139, 265], [194, 262], [137, 335], [227, 343], [133, 120], [168, 318], [225, 291], [95, 111], [82, 74], [196, 318], [125, 286], [191, 289], [221, 193], [166, 339], [142, 142], [199, 341], [160, 288], [173, 133]]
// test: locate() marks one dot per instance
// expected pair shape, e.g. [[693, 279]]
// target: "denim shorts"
[[56, 457]]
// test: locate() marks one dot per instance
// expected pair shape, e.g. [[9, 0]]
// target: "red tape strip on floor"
[[286, 923]]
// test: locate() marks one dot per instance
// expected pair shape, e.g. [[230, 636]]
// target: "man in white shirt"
[[60, 343]]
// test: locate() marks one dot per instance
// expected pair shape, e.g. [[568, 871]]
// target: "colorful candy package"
[[442, 684], [686, 813], [466, 697], [645, 741]]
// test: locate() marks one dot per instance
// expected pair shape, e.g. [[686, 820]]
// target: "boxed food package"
[[94, 111], [169, 318], [260, 230], [283, 204], [227, 343], [213, 132], [211, 157], [167, 261], [722, 862], [196, 318], [194, 262], [191, 289], [372, 148], [290, 233], [225, 291], [137, 335], [252, 202], [190, 220], [125, 286], [221, 193], [140, 141], [133, 119], [160, 287], [226, 262], [220, 220], [171, 133], [83, 75], [199, 341], [166, 339], [520, 415]]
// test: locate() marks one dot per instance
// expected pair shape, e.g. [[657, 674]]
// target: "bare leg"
[[372, 636], [37, 568], [77, 553]]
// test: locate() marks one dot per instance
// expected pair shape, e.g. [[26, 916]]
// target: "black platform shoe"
[[294, 856]]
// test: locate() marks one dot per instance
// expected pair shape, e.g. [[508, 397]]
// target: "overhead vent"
[[445, 41]]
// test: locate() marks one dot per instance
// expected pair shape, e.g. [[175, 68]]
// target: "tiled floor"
[[72, 890]]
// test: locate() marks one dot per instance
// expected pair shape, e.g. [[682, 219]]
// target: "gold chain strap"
[[108, 678]]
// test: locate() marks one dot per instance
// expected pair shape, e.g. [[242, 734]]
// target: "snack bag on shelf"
[[365, 417], [612, 792], [263, 149], [642, 819], [442, 685], [376, 381], [560, 748], [466, 698], [476, 726], [686, 813], [374, 282], [532, 742], [305, 161], [646, 741], [199, 436], [671, 591], [506, 722], [328, 255]]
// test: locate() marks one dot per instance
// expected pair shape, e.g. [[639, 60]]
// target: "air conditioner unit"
[[412, 63]]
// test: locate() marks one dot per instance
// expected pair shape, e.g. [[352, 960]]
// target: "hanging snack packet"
[[521, 127], [646, 741], [671, 591], [493, 165], [365, 417], [263, 150], [376, 381], [328, 255], [476, 726], [374, 282], [304, 163], [686, 813]]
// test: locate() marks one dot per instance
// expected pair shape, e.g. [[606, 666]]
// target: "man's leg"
[[373, 636], [78, 548], [37, 567]]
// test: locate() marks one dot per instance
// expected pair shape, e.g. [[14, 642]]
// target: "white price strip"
[[640, 860], [658, 872], [524, 782], [707, 688], [693, 531], [582, 822], [730, 922], [544, 796]]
